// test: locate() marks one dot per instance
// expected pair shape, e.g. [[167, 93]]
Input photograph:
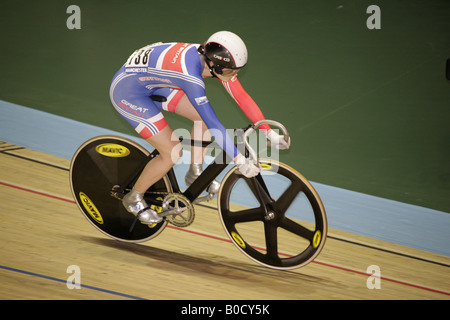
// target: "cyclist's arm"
[[245, 102], [193, 85], [197, 97], [252, 111]]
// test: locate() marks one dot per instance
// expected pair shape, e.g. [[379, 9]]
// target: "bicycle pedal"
[[115, 192]]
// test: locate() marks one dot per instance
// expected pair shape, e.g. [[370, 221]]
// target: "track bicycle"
[[276, 219]]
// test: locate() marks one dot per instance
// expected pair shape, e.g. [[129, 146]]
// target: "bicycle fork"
[[264, 197]]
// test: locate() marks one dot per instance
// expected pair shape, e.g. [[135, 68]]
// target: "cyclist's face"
[[227, 74]]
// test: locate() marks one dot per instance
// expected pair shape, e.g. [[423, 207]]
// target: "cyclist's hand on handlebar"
[[246, 166], [278, 141]]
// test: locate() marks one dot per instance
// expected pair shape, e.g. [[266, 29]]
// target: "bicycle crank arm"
[[203, 198], [172, 212]]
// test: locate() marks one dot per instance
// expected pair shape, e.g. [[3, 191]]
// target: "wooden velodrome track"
[[43, 233]]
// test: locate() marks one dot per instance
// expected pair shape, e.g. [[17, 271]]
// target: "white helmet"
[[226, 50]]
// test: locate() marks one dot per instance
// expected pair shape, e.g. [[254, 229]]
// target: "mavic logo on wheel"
[[112, 150], [237, 238], [316, 239], [91, 208]]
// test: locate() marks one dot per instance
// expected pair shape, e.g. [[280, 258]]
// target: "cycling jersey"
[[172, 70]]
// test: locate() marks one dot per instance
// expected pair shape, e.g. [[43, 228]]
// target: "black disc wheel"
[[276, 219], [101, 165]]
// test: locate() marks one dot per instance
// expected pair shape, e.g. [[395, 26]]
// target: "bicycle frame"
[[206, 178], [211, 172], [197, 187], [208, 175]]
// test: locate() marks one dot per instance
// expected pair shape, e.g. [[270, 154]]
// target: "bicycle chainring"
[[184, 210]]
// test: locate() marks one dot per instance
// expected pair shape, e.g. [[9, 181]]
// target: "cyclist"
[[170, 76]]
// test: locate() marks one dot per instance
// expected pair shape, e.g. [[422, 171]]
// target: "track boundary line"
[[38, 275]]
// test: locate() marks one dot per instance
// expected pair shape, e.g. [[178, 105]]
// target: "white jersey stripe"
[[174, 74], [165, 105], [161, 57], [183, 59]]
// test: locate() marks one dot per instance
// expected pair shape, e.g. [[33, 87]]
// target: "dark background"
[[368, 110]]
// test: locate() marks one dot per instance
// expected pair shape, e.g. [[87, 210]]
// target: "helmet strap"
[[201, 50], [211, 69]]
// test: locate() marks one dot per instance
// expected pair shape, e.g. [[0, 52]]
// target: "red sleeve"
[[245, 102]]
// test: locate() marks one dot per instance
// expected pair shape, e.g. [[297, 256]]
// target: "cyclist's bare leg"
[[170, 152], [169, 149]]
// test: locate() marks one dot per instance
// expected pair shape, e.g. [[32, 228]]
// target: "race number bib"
[[139, 58]]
